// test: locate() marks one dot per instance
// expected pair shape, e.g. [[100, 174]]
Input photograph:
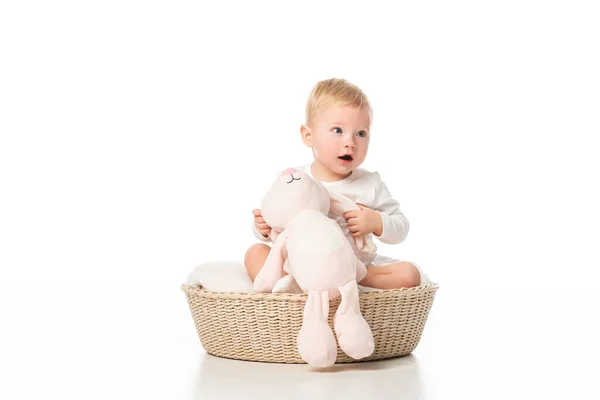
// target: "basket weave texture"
[[264, 326]]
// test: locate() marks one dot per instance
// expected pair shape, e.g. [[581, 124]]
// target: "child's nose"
[[289, 171], [348, 139]]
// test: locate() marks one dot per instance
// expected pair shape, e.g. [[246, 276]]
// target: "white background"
[[136, 138]]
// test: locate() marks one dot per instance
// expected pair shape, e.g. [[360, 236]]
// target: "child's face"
[[339, 137]]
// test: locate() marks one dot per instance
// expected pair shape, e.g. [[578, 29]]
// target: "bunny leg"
[[316, 343], [353, 332]]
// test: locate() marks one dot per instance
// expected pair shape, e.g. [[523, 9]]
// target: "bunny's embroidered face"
[[293, 191]]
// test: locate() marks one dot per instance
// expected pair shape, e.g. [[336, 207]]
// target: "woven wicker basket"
[[264, 327]]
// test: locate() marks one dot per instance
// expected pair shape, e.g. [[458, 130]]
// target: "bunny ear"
[[364, 243], [340, 205]]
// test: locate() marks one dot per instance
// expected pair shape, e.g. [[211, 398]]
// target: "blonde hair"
[[335, 92]]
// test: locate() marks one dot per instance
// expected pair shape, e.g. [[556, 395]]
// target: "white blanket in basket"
[[230, 276]]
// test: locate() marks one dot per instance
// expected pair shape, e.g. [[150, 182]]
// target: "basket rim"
[[402, 292]]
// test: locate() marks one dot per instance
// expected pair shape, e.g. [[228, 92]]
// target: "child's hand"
[[260, 223], [364, 221]]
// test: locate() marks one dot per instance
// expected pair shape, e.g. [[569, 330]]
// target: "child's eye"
[[337, 130], [362, 134]]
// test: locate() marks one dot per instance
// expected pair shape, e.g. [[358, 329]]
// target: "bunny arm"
[[272, 271], [340, 205], [274, 235]]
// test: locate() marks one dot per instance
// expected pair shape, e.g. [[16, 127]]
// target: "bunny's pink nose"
[[289, 171]]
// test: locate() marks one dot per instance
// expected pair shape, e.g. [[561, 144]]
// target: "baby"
[[338, 122]]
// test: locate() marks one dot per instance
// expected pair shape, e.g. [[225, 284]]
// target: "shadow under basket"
[[264, 326]]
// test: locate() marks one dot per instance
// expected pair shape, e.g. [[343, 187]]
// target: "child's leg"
[[255, 258], [394, 275]]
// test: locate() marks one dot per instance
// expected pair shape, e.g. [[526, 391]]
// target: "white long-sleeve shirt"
[[368, 189]]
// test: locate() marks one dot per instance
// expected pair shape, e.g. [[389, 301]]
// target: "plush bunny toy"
[[322, 262]]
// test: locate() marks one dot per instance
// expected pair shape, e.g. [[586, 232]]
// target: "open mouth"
[[347, 157]]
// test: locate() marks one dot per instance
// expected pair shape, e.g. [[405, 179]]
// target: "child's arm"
[[384, 219], [394, 224]]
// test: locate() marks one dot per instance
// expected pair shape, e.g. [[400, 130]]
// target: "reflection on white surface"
[[234, 379]]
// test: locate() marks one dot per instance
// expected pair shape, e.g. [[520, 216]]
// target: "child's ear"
[[306, 134]]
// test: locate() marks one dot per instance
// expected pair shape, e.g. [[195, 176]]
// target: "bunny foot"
[[353, 332], [354, 335], [316, 343]]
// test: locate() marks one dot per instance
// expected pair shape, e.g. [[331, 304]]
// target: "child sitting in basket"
[[337, 128]]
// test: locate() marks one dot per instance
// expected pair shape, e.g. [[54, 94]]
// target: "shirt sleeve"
[[395, 224], [259, 235]]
